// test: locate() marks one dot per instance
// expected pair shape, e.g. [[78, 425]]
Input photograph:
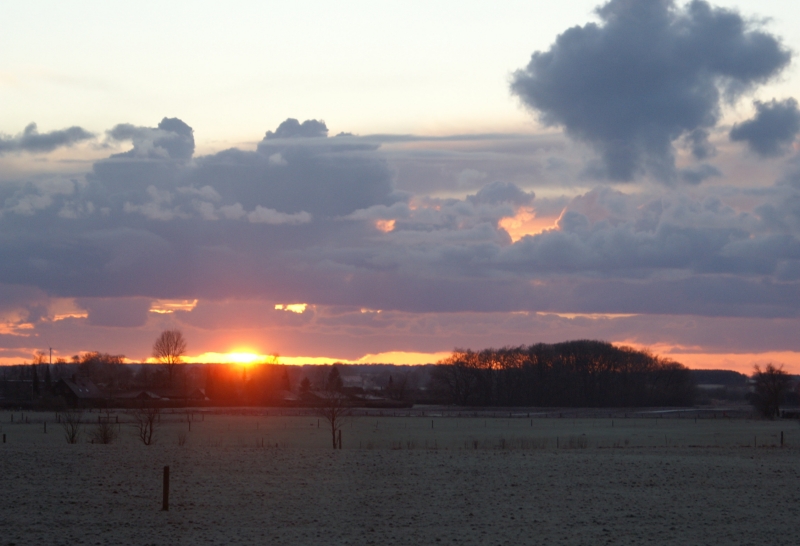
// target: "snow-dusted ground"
[[652, 488]]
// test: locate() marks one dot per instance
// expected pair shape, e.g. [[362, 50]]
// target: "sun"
[[234, 357], [242, 358]]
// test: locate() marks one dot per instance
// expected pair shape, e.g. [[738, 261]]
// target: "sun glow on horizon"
[[234, 357], [695, 358]]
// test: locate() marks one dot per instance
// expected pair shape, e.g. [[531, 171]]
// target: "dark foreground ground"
[[231, 492]]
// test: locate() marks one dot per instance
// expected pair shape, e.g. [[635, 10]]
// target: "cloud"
[[32, 141], [291, 128], [263, 215], [698, 174], [502, 192], [648, 74], [32, 197], [319, 220], [700, 146], [116, 312], [772, 130], [171, 139]]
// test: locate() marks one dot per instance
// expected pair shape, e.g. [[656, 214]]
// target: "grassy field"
[[255, 428], [256, 477]]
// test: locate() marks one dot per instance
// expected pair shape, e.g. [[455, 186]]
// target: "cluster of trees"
[[570, 374], [770, 387]]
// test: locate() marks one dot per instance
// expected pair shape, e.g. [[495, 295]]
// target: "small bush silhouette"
[[144, 421], [104, 432], [71, 423]]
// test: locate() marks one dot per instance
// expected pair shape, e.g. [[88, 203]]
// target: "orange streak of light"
[[385, 225], [526, 222]]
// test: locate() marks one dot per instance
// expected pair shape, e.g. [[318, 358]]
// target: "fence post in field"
[[165, 498]]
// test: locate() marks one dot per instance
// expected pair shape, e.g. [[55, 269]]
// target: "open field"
[[259, 478]]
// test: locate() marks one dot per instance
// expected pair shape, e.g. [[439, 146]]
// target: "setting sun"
[[234, 357]]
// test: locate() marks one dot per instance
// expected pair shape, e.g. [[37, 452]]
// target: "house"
[[77, 392]]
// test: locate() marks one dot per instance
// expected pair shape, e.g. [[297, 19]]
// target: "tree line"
[[582, 373]]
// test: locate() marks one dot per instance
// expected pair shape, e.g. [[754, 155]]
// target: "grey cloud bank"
[[299, 220], [32, 141]]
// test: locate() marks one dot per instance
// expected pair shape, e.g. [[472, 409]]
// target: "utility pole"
[[51, 356]]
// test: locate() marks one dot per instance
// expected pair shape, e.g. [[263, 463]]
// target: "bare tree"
[[770, 387], [104, 432], [144, 421], [334, 406], [71, 423], [169, 349]]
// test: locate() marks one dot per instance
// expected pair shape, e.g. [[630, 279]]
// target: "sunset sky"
[[384, 182]]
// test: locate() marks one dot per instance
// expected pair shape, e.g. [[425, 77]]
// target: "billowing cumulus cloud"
[[32, 141], [171, 139], [773, 129], [291, 128], [649, 73]]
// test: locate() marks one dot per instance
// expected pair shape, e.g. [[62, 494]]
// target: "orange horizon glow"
[[694, 358], [691, 357]]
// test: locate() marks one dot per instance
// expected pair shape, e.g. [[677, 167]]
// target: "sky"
[[385, 182]]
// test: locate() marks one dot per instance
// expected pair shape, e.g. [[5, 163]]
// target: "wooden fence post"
[[165, 499]]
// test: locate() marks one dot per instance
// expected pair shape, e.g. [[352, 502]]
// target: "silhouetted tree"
[[105, 370], [396, 390], [48, 380], [770, 387], [334, 406], [286, 385], [169, 349], [305, 385], [35, 379], [334, 380]]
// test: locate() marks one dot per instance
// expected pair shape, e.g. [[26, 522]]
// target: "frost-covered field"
[[405, 480]]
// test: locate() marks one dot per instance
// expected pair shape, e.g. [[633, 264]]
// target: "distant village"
[[99, 380]]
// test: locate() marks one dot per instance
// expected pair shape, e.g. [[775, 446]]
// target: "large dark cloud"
[[773, 128], [649, 73], [31, 140]]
